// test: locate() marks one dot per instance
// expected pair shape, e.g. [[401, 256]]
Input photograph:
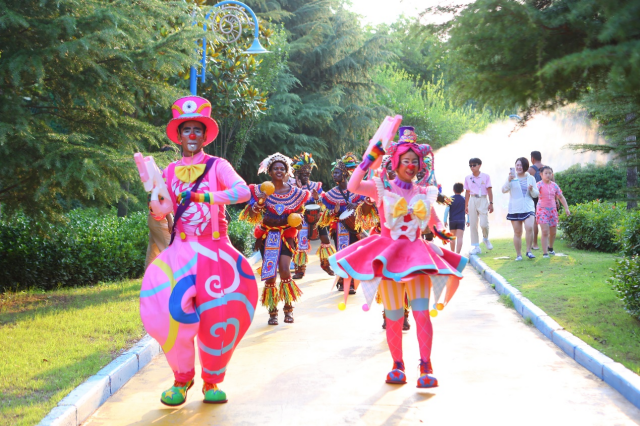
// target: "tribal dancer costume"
[[200, 285], [347, 214], [398, 260], [275, 208], [303, 165]]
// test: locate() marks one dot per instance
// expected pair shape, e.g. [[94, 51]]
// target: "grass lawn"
[[573, 290], [52, 341]]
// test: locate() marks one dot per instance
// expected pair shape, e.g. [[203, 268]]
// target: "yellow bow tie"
[[419, 209], [188, 174]]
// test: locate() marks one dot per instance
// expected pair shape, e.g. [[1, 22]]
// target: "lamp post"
[[232, 15]]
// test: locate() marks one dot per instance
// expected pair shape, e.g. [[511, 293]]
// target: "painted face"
[[390, 172], [421, 173], [519, 167], [278, 171], [547, 174], [408, 167], [192, 136], [337, 175], [304, 175]]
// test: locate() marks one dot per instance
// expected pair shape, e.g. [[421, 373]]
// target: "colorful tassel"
[[246, 216], [444, 235], [289, 291], [300, 258], [366, 221], [325, 250], [270, 296]]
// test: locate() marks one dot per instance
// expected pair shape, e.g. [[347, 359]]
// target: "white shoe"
[[518, 258], [487, 243], [475, 250]]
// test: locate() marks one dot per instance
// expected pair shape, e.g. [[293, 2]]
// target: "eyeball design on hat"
[[189, 106], [192, 108]]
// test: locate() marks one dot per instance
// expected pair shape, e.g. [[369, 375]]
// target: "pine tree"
[[82, 83]]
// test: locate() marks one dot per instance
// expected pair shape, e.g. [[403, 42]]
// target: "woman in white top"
[[522, 188]]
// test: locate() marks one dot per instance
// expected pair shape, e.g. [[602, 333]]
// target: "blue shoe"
[[426, 379], [397, 376]]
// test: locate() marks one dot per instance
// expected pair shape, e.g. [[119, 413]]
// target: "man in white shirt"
[[478, 204]]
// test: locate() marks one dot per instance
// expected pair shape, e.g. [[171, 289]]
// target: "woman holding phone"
[[522, 189]]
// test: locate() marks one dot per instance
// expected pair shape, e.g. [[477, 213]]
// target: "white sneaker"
[[518, 258], [475, 250], [487, 243]]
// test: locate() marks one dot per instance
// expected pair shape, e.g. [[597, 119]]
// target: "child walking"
[[454, 217], [546, 212]]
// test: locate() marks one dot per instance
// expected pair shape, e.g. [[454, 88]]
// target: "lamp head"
[[256, 48]]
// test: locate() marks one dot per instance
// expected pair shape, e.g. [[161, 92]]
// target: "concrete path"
[[329, 369]]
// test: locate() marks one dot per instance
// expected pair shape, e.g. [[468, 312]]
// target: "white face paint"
[[192, 146]]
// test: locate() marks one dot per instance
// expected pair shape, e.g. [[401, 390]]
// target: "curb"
[[81, 402], [616, 375]]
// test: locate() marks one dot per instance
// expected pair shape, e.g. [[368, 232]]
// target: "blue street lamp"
[[256, 47]]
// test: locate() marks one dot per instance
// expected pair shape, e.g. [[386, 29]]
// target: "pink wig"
[[398, 149]]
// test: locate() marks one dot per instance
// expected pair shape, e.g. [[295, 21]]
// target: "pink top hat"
[[192, 108]]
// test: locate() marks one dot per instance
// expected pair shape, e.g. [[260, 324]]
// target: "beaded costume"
[[276, 235]]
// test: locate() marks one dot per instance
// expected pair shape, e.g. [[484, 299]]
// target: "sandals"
[[288, 311], [273, 317]]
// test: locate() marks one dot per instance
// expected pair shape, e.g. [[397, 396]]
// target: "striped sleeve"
[[234, 188]]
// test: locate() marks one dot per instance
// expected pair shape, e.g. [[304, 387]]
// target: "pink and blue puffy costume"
[[200, 286]]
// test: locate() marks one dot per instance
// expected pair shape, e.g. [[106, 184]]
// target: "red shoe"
[[426, 379], [397, 376]]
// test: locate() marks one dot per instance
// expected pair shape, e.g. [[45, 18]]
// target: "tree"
[[82, 83], [542, 54]]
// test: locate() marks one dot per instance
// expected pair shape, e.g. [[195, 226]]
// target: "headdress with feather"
[[277, 157], [304, 161]]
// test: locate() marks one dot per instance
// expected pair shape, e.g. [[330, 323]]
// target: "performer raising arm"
[[398, 260]]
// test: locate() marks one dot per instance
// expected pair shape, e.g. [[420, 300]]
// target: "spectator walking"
[[478, 204], [522, 189], [536, 165], [547, 213], [454, 217]]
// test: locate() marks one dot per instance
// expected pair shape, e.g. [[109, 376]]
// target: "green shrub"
[[626, 281], [592, 225], [627, 233], [583, 184], [89, 248]]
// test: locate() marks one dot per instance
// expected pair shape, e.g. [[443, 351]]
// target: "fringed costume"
[[303, 165], [347, 214], [398, 260], [200, 285], [277, 217]]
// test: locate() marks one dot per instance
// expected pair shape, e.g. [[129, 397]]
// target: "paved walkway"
[[329, 369]]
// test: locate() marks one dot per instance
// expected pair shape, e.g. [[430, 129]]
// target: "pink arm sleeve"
[[236, 190], [434, 220], [366, 188]]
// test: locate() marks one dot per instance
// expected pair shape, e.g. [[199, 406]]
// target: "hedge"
[[592, 225], [90, 247], [591, 182]]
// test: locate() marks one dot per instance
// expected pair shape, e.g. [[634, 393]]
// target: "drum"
[[312, 213], [348, 219]]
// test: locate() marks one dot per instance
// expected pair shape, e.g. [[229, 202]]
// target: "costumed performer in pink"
[[398, 259], [200, 285]]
